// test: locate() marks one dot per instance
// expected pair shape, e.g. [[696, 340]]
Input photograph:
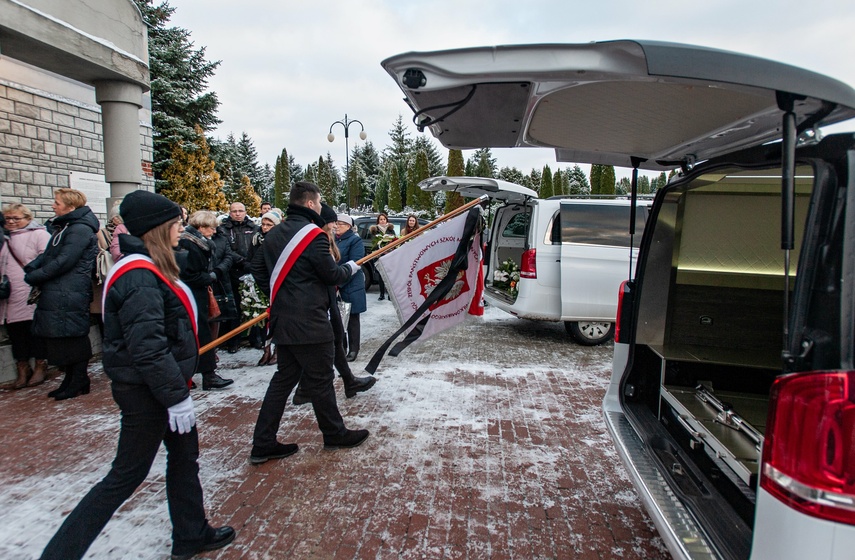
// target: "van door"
[[595, 257]]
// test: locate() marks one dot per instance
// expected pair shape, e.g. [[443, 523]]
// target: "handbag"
[[213, 307], [104, 260], [344, 310], [5, 287], [33, 298]]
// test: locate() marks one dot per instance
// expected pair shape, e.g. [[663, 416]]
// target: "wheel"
[[590, 333]]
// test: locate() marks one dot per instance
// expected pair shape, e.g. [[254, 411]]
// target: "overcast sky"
[[290, 69]]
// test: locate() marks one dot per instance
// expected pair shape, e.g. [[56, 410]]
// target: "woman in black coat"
[[198, 273], [150, 355], [63, 273]]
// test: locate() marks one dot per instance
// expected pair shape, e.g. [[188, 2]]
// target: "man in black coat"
[[239, 229], [301, 328]]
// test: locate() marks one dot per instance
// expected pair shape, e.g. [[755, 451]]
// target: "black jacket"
[[64, 274], [239, 236], [148, 337], [300, 313]]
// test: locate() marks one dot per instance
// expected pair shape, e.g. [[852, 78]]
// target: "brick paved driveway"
[[487, 442]]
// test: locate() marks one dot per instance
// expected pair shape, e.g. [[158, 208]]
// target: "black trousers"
[[25, 344], [353, 333], [312, 366], [231, 324], [145, 424]]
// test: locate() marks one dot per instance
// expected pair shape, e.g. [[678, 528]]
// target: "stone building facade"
[[74, 107]]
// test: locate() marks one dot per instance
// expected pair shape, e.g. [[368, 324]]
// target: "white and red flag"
[[434, 280]]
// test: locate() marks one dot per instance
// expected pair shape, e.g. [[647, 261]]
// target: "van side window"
[[553, 233], [599, 224], [517, 227]]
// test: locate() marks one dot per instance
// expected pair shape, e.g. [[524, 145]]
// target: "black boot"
[[358, 385], [300, 397], [63, 385], [79, 384], [211, 380], [265, 357]]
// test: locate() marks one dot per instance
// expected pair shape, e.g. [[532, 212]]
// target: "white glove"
[[354, 268], [181, 416]]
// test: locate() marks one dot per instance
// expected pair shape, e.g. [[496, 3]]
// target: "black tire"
[[590, 333]]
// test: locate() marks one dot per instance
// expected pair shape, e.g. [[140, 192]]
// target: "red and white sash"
[[289, 256], [181, 290]]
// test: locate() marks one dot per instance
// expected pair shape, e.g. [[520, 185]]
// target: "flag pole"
[[371, 256], [400, 240]]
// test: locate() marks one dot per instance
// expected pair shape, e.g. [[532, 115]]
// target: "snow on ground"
[[422, 399]]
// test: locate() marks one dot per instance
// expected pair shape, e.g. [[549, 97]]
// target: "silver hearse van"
[[555, 259], [732, 398]]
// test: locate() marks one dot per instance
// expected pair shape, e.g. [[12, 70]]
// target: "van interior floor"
[[730, 424]]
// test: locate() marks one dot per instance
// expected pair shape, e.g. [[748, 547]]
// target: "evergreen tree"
[[596, 176], [381, 193], [311, 173], [511, 175], [546, 182], [295, 170], [265, 184], [421, 172], [281, 180], [191, 180], [455, 169], [643, 184], [247, 161], [578, 183], [435, 166], [483, 163], [557, 183], [661, 182], [246, 194], [395, 202], [325, 182], [533, 181], [412, 201], [607, 180], [367, 159], [179, 78], [623, 186], [337, 182]]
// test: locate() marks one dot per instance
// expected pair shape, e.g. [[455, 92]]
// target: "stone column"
[[120, 107]]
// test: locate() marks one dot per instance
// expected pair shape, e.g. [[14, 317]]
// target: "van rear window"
[[593, 224], [517, 227]]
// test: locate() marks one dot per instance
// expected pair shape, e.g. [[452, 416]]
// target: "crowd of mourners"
[[161, 285]]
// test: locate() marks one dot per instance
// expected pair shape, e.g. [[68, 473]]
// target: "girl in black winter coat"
[[198, 273], [63, 273], [150, 353]]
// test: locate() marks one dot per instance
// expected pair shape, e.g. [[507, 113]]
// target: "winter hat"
[[273, 217], [143, 211], [346, 219], [328, 215]]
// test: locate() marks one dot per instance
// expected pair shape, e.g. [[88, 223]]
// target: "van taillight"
[[809, 450], [528, 266], [624, 298]]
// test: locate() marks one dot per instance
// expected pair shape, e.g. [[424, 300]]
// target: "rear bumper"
[[675, 524]]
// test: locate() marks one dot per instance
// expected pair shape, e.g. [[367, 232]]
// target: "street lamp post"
[[331, 137]]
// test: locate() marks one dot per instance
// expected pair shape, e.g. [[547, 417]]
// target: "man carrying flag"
[[296, 270], [434, 281]]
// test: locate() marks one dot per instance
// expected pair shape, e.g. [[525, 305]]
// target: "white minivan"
[[555, 259]]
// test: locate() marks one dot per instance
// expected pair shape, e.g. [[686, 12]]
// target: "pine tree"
[[247, 161], [282, 180], [191, 180], [533, 181], [483, 163], [179, 78], [578, 183], [643, 184], [557, 183], [435, 165], [311, 173], [596, 178], [249, 197], [426, 199], [412, 201], [546, 189], [325, 182], [381, 193], [455, 169], [395, 202], [511, 175], [607, 180], [368, 160], [623, 186]]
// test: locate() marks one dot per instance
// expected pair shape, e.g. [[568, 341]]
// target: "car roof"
[[614, 103]]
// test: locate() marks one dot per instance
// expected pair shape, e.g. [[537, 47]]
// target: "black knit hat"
[[143, 211], [328, 214]]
